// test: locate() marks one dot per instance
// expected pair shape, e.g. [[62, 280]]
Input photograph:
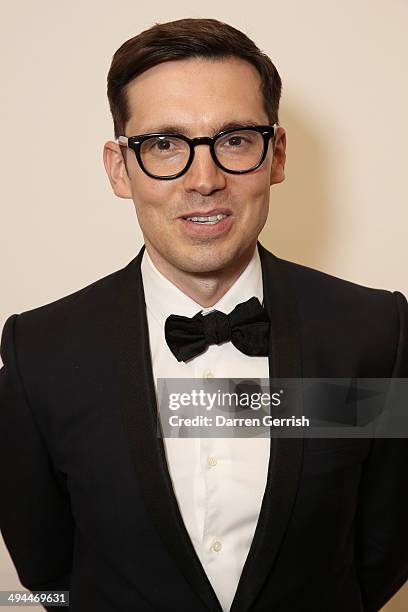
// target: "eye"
[[160, 144], [163, 145], [235, 141]]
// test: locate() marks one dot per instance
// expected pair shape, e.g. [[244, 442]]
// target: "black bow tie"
[[247, 326]]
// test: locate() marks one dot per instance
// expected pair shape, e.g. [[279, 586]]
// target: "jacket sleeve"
[[35, 515], [382, 515]]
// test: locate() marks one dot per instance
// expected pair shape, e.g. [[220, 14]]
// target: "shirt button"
[[212, 460], [216, 546], [208, 374]]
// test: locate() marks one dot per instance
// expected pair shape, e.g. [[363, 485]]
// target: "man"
[[93, 500]]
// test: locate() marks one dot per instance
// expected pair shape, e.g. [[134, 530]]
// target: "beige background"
[[343, 208]]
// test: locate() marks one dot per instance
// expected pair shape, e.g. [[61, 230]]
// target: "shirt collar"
[[163, 298]]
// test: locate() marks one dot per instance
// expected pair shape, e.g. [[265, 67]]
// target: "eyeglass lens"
[[168, 155]]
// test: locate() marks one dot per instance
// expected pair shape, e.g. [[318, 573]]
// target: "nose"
[[204, 176]]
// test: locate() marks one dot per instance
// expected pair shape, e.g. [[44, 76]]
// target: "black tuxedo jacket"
[[87, 501]]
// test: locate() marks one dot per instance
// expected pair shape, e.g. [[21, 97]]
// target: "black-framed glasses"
[[167, 156]]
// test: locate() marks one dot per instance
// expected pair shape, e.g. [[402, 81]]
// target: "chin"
[[202, 262]]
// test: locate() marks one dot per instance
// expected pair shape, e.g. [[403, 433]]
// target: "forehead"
[[195, 94]]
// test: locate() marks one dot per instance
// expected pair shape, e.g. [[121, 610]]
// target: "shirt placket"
[[212, 457]]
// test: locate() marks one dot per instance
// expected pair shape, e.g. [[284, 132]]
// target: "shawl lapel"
[[139, 410]]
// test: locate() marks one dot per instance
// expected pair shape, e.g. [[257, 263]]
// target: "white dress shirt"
[[218, 482]]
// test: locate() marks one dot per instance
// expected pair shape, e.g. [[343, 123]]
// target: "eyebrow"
[[180, 129]]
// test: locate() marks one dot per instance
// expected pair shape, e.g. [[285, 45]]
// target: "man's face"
[[198, 97]]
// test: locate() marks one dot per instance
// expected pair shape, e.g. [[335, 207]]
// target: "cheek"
[[152, 200], [151, 217], [255, 192], [148, 191]]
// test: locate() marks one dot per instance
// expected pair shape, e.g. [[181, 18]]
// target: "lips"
[[196, 231], [207, 213]]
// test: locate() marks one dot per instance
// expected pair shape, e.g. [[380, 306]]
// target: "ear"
[[116, 170], [279, 157]]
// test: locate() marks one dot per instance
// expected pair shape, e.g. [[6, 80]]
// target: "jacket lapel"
[[285, 460], [139, 410]]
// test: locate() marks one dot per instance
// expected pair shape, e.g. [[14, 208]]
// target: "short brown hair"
[[183, 39]]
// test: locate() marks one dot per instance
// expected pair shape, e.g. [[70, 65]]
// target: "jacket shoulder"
[[66, 320], [307, 278], [88, 293], [324, 296], [368, 325]]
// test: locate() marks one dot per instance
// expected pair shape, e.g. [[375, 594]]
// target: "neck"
[[205, 288]]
